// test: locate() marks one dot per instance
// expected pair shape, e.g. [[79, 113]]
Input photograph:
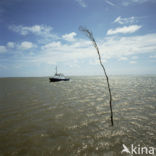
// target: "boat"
[[58, 77]]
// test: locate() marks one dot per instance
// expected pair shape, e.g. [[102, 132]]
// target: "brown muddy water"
[[38, 118]]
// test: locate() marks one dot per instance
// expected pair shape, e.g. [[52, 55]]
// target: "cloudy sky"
[[37, 35]]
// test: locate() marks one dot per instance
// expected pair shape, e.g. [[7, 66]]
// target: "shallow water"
[[73, 118]]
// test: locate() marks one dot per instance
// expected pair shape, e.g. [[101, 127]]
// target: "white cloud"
[[123, 58], [3, 49], [153, 56], [109, 2], [132, 62], [40, 30], [58, 47], [82, 3], [26, 45], [129, 2], [10, 44], [52, 45], [25, 30], [128, 20], [58, 52], [117, 47], [134, 57], [69, 37], [124, 30]]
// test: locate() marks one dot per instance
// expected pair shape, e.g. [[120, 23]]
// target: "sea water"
[[38, 118]]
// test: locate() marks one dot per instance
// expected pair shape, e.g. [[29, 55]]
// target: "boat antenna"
[[90, 36]]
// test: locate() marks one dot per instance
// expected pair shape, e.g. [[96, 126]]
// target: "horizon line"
[[79, 75]]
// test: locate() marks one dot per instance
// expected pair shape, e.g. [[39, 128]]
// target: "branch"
[[90, 36]]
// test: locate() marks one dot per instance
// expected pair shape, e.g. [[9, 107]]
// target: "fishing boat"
[[58, 77]]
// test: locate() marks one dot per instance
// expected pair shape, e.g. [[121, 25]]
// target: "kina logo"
[[135, 150]]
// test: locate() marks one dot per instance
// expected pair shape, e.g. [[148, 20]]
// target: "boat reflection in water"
[[58, 77]]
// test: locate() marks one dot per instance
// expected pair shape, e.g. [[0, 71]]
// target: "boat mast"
[[56, 70]]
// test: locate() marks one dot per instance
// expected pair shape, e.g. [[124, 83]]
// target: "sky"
[[37, 35]]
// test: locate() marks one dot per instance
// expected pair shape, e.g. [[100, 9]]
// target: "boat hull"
[[51, 79]]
